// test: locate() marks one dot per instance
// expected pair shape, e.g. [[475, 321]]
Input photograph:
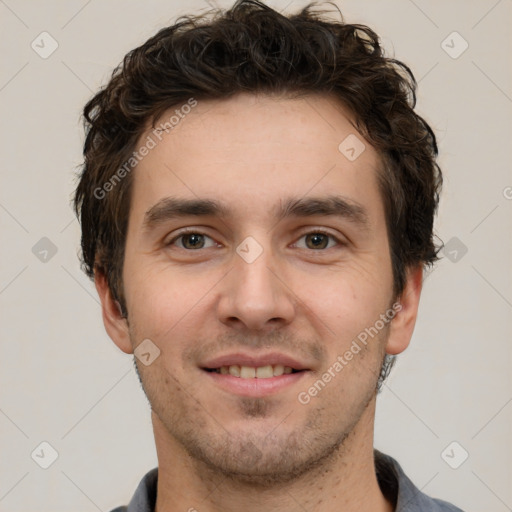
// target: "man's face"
[[252, 288]]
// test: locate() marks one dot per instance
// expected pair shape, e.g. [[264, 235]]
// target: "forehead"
[[252, 151]]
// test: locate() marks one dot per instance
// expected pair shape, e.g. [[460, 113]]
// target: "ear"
[[115, 325], [402, 325]]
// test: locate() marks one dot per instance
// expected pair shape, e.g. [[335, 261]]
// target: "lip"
[[242, 359], [254, 387]]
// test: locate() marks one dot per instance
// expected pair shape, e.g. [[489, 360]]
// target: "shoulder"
[[425, 503], [144, 498], [408, 498], [443, 506]]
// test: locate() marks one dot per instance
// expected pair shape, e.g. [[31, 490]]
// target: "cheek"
[[163, 302], [346, 300]]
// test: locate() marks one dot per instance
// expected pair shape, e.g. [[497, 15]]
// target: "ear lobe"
[[402, 325], [115, 324]]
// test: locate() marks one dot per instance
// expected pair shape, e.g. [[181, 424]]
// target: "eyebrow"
[[170, 208]]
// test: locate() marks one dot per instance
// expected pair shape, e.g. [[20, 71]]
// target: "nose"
[[256, 296]]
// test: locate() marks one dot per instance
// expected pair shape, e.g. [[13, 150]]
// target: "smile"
[[255, 382], [249, 372]]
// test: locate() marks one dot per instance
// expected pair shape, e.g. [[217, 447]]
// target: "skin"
[[219, 451]]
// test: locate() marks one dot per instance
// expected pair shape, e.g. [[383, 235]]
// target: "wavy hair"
[[253, 48]]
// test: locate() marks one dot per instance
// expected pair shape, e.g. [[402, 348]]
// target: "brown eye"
[[191, 241], [318, 240]]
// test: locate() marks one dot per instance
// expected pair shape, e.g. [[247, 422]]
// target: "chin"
[[277, 458]]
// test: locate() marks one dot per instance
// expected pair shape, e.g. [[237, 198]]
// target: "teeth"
[[264, 372], [248, 372], [278, 370], [234, 370]]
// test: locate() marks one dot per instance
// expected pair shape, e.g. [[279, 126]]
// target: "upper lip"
[[242, 359]]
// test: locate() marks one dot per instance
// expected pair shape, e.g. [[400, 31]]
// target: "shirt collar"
[[394, 484]]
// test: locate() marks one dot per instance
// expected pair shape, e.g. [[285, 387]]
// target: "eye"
[[191, 240], [195, 240], [319, 240]]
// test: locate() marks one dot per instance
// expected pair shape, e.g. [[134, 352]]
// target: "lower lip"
[[255, 387]]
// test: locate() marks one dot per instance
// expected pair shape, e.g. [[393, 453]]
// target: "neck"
[[344, 481]]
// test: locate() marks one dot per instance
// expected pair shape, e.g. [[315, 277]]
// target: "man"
[[257, 204]]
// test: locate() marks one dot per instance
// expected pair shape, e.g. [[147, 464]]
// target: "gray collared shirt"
[[395, 485]]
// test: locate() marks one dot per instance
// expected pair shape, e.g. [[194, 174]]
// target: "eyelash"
[[197, 232]]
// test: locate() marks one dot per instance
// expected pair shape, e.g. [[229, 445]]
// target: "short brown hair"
[[252, 48]]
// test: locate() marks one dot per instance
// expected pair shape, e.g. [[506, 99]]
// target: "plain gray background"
[[64, 382]]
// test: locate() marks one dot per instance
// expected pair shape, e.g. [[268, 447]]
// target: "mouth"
[[249, 376], [249, 372]]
